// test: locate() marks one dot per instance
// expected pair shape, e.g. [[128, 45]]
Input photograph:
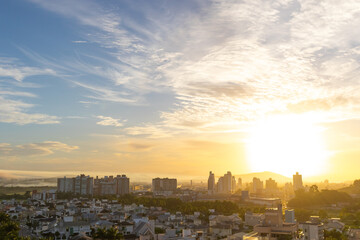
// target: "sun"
[[285, 145]]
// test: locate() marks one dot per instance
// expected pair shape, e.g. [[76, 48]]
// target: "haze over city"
[[179, 88]]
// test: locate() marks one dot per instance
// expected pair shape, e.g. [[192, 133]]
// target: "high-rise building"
[[164, 185], [220, 185], [84, 185], [257, 185], [211, 183], [239, 183], [122, 185], [109, 185], [65, 185], [297, 182], [233, 184], [81, 184], [271, 185], [226, 183]]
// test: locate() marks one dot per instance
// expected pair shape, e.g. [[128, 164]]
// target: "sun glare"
[[286, 145]]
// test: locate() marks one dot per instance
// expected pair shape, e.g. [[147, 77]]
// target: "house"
[[334, 223], [252, 219]]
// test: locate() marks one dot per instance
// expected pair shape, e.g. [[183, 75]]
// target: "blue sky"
[[148, 87]]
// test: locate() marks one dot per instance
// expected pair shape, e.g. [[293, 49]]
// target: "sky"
[[180, 88]]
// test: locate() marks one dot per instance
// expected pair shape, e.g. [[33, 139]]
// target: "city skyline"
[[169, 89]]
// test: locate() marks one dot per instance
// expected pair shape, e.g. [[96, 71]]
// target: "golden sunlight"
[[285, 145]]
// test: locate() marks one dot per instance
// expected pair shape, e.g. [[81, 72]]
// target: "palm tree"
[[100, 233], [113, 233]]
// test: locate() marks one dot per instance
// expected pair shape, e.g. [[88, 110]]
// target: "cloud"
[[109, 121], [218, 90], [78, 41], [322, 104], [35, 149], [10, 68], [225, 62], [105, 94], [135, 146], [151, 131], [14, 111], [17, 93]]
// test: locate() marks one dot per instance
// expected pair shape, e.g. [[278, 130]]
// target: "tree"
[[314, 189], [302, 215], [113, 233], [100, 233], [323, 214], [357, 183], [159, 230], [8, 228], [333, 234]]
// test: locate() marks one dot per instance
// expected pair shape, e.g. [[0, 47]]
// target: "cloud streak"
[[35, 149], [109, 121], [226, 62]]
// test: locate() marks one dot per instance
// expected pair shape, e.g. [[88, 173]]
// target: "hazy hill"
[[263, 176], [352, 189]]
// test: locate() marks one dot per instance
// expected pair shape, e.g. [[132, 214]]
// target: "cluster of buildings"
[[110, 185], [66, 218], [44, 215], [225, 184], [257, 187], [273, 224], [86, 185]]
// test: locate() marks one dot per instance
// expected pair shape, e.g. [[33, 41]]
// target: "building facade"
[[164, 185], [84, 185], [226, 183], [110, 185], [211, 183], [297, 182], [66, 185]]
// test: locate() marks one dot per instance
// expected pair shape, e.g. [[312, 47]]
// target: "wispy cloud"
[[109, 121], [34, 149], [10, 68], [106, 94], [79, 41], [16, 93], [15, 111], [227, 62]]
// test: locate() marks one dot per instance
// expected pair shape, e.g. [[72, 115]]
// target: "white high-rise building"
[[84, 185], [65, 184], [81, 184]]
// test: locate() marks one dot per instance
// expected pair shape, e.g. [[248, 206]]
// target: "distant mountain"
[[248, 177]]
